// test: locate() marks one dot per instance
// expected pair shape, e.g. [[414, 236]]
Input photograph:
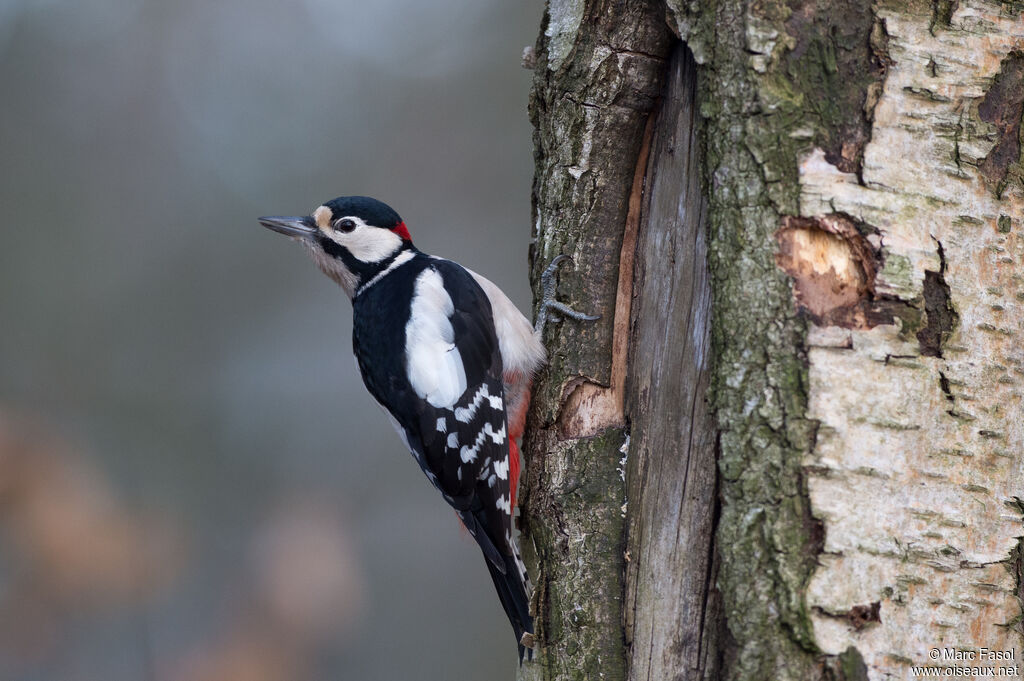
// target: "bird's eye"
[[345, 225]]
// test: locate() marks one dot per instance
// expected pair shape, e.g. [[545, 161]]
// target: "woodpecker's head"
[[351, 238]]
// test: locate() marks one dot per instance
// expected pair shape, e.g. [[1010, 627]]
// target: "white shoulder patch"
[[521, 350], [433, 363]]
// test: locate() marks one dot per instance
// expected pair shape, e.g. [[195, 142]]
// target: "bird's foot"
[[550, 307]]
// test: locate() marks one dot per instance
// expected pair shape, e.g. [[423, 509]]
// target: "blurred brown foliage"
[[305, 590], [68, 546], [67, 542]]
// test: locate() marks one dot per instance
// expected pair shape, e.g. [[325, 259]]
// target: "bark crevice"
[[1003, 107], [940, 316], [801, 116]]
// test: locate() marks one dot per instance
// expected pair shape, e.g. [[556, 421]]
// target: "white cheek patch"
[[433, 363], [365, 242]]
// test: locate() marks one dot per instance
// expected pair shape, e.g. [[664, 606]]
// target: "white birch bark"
[[918, 466]]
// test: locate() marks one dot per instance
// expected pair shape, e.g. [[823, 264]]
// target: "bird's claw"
[[549, 304]]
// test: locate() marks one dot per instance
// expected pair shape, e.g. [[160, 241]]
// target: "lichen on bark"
[[767, 539], [578, 545]]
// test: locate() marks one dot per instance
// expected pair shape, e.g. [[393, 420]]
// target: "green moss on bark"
[[759, 385], [780, 78], [817, 67]]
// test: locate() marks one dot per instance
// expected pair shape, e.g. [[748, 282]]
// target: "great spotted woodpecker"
[[449, 358]]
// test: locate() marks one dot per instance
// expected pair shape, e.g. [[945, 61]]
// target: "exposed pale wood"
[[672, 608]]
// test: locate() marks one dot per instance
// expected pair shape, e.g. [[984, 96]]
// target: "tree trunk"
[[838, 325]]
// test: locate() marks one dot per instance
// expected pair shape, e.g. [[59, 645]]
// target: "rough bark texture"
[[863, 172], [767, 539], [599, 74]]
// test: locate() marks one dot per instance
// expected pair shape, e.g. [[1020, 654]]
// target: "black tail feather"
[[508, 577], [512, 593]]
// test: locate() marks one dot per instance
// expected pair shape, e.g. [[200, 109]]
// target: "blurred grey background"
[[193, 483]]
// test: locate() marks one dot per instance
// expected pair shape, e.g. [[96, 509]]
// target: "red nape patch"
[[401, 230], [513, 472]]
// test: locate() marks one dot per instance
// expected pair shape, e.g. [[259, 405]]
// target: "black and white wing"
[[447, 400]]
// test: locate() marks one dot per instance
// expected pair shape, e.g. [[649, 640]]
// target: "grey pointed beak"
[[297, 227]]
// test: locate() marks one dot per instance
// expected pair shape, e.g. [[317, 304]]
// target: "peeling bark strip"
[[589, 408]]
